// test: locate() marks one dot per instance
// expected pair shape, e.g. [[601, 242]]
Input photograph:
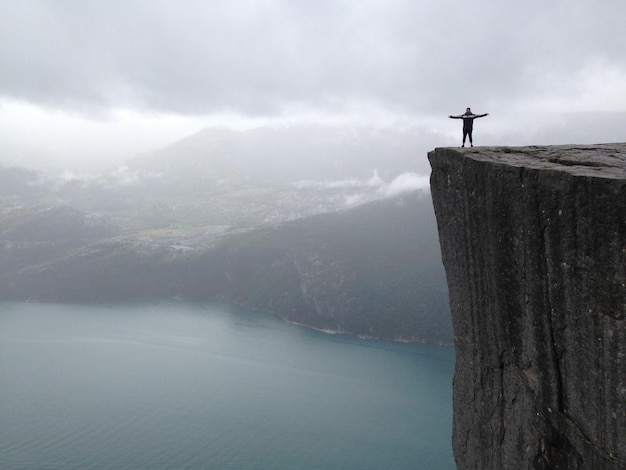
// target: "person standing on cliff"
[[468, 123]]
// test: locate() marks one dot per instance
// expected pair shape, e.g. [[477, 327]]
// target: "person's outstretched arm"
[[456, 117], [482, 115]]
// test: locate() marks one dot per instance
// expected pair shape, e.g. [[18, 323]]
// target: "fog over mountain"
[[293, 153], [322, 151], [89, 84], [201, 220]]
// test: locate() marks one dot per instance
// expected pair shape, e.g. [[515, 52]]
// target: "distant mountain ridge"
[[288, 154], [284, 152], [320, 152]]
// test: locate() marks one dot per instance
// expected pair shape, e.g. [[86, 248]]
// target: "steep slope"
[[374, 270], [534, 246], [371, 271]]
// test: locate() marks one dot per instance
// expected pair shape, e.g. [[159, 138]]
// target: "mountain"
[[372, 271], [289, 153], [338, 255]]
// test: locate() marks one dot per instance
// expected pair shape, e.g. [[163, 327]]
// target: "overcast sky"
[[118, 77]]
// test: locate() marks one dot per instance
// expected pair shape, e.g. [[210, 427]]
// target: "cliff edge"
[[534, 245]]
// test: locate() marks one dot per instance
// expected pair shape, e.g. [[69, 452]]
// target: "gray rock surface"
[[534, 245]]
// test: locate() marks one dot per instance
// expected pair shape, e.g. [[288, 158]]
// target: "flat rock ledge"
[[534, 244]]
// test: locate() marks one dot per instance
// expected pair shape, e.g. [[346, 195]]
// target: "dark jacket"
[[468, 120]]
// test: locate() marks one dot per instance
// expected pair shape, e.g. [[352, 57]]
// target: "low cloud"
[[347, 183], [366, 190], [404, 183]]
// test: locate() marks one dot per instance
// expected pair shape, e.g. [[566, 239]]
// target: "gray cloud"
[[262, 57]]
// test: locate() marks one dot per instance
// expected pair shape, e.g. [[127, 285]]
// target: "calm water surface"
[[177, 385]]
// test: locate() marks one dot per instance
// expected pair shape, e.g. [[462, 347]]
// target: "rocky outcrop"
[[534, 246]]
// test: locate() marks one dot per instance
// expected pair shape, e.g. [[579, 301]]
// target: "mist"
[[88, 86]]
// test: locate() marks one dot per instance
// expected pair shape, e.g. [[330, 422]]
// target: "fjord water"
[[178, 385]]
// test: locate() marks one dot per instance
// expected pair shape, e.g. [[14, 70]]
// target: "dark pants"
[[467, 133]]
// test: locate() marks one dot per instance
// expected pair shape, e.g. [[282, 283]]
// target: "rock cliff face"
[[534, 245]]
